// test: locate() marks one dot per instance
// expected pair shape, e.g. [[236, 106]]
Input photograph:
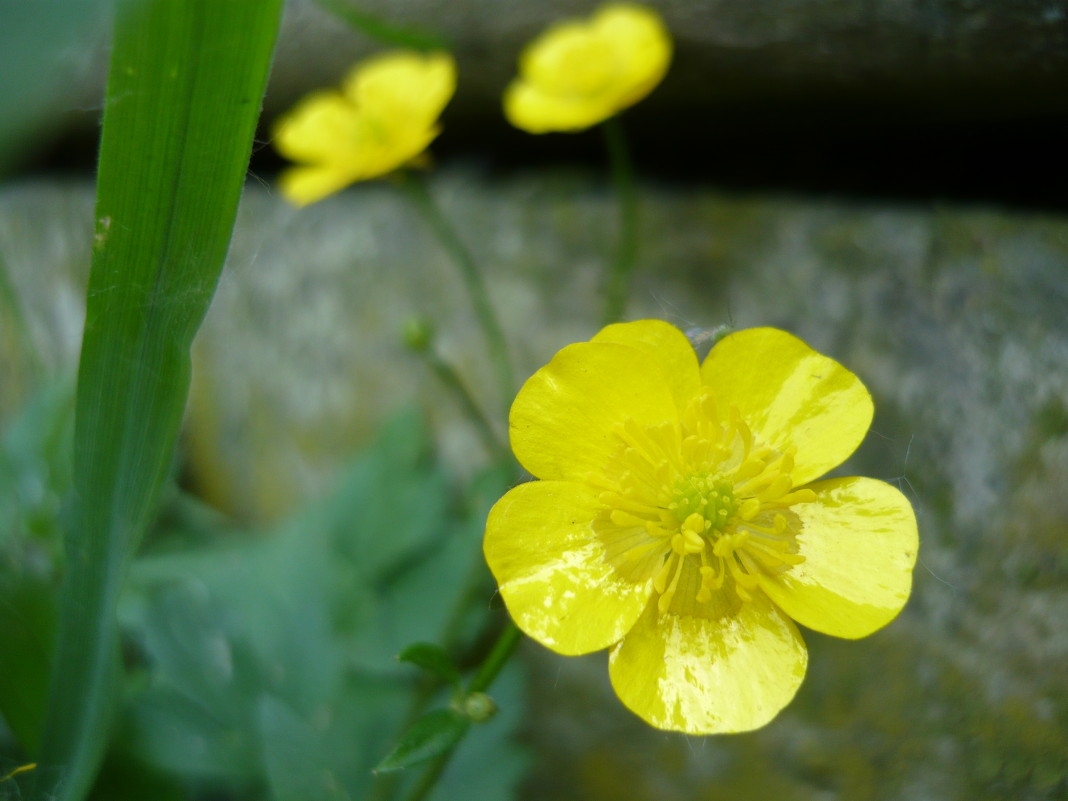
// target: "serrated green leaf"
[[432, 658], [322, 650], [432, 734], [184, 89]]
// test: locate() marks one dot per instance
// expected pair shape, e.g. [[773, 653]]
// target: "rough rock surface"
[[953, 316]]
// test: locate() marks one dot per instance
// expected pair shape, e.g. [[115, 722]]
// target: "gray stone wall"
[[953, 316], [953, 313]]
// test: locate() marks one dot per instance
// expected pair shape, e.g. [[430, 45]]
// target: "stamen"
[[749, 509], [668, 594], [798, 496], [662, 576], [704, 494], [749, 469], [779, 487]]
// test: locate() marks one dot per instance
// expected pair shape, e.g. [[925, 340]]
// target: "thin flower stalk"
[[419, 194]]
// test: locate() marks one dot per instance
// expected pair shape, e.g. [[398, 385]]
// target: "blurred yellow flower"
[[679, 522], [579, 73], [384, 117]]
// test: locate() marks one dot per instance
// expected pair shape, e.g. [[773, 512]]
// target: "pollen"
[[703, 509]]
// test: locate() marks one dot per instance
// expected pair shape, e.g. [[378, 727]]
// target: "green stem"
[[498, 657], [430, 777], [384, 31], [448, 376], [627, 243], [419, 193]]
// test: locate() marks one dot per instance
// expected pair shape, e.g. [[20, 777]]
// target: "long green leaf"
[[184, 91]]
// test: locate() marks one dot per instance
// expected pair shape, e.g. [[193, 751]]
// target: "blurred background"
[[884, 179]]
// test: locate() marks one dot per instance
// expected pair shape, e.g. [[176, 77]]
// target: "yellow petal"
[[374, 155], [317, 129], [304, 185], [643, 48], [668, 345], [551, 569], [405, 89], [384, 118], [708, 676], [580, 72], [563, 421], [534, 111], [859, 541], [570, 58], [791, 395]]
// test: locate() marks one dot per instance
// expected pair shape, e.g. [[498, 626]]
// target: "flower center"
[[709, 497], [702, 508]]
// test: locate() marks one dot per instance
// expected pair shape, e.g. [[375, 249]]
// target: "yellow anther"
[[662, 576], [666, 595], [712, 578], [779, 487], [726, 546], [748, 469], [664, 601], [798, 496], [692, 542], [773, 554], [749, 509], [694, 523], [738, 424], [741, 578]]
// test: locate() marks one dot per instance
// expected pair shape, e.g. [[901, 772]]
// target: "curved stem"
[[627, 243], [448, 376], [419, 194], [498, 657]]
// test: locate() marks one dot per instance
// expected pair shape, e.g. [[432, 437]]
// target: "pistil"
[[705, 496]]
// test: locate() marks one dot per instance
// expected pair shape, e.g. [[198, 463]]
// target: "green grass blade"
[[184, 91]]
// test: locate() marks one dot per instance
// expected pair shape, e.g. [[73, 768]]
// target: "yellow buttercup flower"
[[679, 520], [579, 73], [384, 117]]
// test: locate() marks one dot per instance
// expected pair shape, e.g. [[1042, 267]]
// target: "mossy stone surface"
[[954, 316]]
